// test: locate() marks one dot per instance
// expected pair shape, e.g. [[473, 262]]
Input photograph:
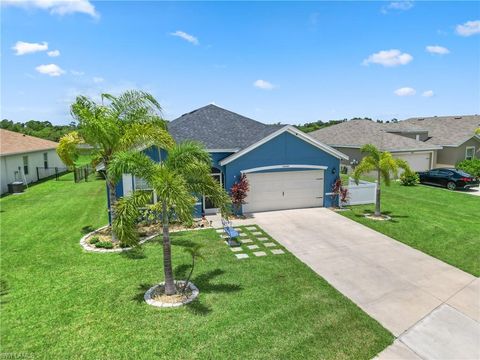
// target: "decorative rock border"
[[150, 301], [87, 247]]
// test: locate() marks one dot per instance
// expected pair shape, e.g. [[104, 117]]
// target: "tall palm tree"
[[383, 163], [184, 173], [118, 123]]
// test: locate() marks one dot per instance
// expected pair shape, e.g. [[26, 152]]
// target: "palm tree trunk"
[[112, 195], [377, 200], [167, 254]]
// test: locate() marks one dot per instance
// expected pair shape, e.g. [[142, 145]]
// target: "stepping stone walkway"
[[260, 253], [278, 251], [241, 256], [243, 234], [252, 228], [270, 244], [263, 239], [251, 247], [246, 241], [219, 231], [256, 233], [236, 249]]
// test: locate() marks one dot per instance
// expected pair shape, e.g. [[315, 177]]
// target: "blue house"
[[285, 167]]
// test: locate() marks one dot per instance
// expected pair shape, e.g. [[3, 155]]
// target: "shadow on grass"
[[87, 229], [202, 282], [393, 219], [137, 253], [183, 243]]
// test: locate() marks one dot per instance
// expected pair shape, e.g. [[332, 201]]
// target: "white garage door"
[[417, 161], [284, 190]]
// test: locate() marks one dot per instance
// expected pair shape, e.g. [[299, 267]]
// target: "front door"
[[208, 206]]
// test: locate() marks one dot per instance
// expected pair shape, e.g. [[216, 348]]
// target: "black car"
[[450, 178]]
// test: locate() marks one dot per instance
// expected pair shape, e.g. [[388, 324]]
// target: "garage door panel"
[[416, 161], [284, 190]]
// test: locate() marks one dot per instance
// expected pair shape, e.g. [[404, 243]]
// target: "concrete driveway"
[[431, 307]]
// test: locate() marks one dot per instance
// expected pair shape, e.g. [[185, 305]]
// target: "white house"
[[21, 155]]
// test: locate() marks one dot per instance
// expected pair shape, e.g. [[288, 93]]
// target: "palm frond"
[[366, 165], [146, 134], [372, 151], [67, 148], [185, 153], [130, 162]]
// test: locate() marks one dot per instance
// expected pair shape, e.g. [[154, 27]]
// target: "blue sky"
[[272, 61]]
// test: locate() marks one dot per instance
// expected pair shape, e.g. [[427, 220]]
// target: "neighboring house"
[[348, 137], [424, 142], [285, 167], [20, 155], [455, 134]]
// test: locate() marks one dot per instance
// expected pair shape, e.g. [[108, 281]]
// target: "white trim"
[[292, 130], [222, 150], [127, 184], [436, 147], [466, 149], [286, 166]]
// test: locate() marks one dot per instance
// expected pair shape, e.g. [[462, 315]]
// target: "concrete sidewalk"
[[431, 307]]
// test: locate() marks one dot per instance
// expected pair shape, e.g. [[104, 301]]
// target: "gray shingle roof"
[[217, 128], [446, 130], [356, 133]]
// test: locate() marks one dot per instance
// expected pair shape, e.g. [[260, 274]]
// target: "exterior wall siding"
[[285, 149], [12, 166], [450, 156]]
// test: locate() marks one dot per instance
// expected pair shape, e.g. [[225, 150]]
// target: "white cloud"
[[405, 91], [97, 79], [397, 6], [22, 47], [190, 38], [428, 93], [59, 7], [469, 28], [50, 69], [389, 58], [437, 49], [263, 84], [53, 53]]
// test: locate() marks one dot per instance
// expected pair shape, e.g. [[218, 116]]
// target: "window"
[[142, 185], [469, 152], [45, 160], [25, 165]]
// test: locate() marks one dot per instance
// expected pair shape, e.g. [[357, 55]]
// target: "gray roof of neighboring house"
[[446, 130], [217, 128], [356, 133]]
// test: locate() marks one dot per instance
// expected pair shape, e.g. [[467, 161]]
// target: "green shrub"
[[470, 166], [94, 240], [409, 178], [104, 245]]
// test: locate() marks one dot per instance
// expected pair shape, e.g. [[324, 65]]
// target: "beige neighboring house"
[[20, 155], [425, 143]]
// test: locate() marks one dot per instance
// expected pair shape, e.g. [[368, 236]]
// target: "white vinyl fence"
[[363, 193]]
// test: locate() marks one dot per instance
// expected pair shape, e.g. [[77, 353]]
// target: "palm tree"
[[383, 163], [119, 123], [184, 172]]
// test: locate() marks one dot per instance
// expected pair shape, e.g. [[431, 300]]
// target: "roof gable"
[[17, 143], [219, 129], [292, 130]]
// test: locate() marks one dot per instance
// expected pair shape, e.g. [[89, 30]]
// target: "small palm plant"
[[184, 173], [384, 164], [117, 124]]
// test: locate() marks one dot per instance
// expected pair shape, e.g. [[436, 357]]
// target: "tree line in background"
[[42, 129], [312, 126]]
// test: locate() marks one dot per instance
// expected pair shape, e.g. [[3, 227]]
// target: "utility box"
[[16, 187]]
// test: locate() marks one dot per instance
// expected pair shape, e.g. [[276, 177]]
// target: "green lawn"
[[444, 224], [65, 303]]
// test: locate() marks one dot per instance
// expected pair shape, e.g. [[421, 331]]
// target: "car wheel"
[[451, 185]]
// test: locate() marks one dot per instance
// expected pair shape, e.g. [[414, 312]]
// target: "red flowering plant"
[[338, 191], [238, 193]]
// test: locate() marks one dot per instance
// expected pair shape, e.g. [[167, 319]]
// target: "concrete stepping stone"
[[260, 253], [278, 251], [236, 249], [256, 233], [241, 256], [270, 244], [251, 247], [243, 234], [246, 241], [251, 228], [263, 239], [219, 231]]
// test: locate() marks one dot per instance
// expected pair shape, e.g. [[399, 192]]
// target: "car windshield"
[[462, 173]]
